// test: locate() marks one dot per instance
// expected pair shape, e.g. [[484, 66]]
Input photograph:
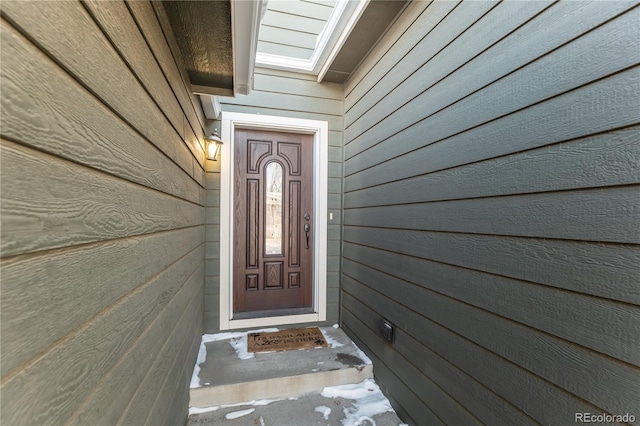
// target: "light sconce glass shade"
[[213, 146]]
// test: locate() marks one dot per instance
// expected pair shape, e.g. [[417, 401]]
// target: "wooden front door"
[[273, 221]]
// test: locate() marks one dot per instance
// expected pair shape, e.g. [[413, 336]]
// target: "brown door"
[[273, 221]]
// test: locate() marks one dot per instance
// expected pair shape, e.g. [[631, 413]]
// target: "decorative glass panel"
[[273, 206]]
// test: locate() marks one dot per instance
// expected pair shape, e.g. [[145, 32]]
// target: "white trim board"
[[320, 132]]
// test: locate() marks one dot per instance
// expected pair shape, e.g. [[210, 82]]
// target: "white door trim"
[[320, 132]]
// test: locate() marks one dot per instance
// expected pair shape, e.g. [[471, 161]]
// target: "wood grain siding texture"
[[287, 94], [102, 214], [491, 210]]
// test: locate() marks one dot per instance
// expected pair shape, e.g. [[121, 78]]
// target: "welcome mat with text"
[[286, 340]]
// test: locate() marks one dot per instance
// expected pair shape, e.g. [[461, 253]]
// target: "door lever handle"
[[307, 228]]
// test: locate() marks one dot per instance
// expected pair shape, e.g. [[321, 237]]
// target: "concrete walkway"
[[322, 386]]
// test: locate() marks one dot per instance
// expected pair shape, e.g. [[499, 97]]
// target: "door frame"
[[320, 131]]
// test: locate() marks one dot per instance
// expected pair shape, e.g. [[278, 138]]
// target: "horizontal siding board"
[[212, 166], [212, 215], [212, 232], [287, 37], [288, 74], [289, 102], [213, 250], [607, 105], [481, 402], [333, 231], [604, 326], [605, 270], [36, 111], [541, 80], [300, 8], [335, 169], [551, 405], [277, 19], [119, 385], [119, 26], [597, 379], [618, 92], [335, 136], [211, 321], [458, 29], [333, 263], [147, 19], [414, 406], [171, 407], [334, 185], [411, 27], [110, 172], [212, 267], [466, 62], [212, 181], [213, 198], [212, 300], [67, 204], [334, 201], [173, 50], [61, 29], [211, 285], [147, 393], [334, 121], [333, 247], [329, 3], [177, 406], [609, 214], [36, 289], [565, 20], [294, 85], [490, 202], [284, 50], [596, 161], [77, 365], [335, 154], [441, 404]]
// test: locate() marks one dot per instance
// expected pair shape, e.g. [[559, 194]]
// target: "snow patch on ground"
[[333, 343], [236, 414], [324, 410], [200, 410], [369, 401], [254, 402], [237, 340], [362, 355]]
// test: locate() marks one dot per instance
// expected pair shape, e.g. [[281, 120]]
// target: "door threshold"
[[272, 313], [299, 316]]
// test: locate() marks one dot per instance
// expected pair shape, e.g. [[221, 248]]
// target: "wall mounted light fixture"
[[213, 145]]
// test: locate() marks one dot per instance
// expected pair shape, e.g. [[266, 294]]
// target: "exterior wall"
[[283, 94], [102, 217], [491, 211]]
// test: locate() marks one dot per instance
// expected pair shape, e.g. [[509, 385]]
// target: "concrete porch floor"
[[322, 386]]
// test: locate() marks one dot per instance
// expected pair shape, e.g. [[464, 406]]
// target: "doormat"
[[286, 340]]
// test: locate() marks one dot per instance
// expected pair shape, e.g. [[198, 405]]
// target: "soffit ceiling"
[[221, 41], [203, 33], [373, 23]]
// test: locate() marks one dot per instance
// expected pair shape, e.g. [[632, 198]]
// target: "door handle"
[[307, 228]]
